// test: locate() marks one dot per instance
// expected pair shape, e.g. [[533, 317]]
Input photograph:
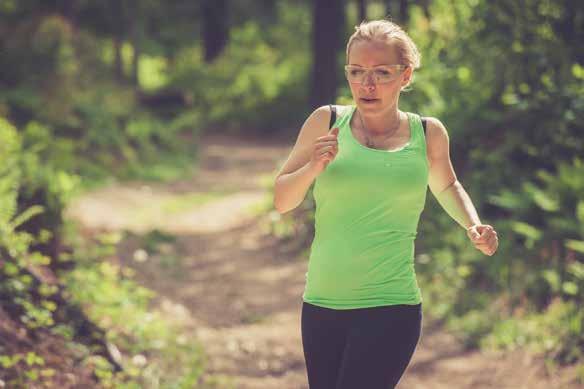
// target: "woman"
[[362, 307]]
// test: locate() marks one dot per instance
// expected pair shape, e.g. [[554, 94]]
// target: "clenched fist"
[[325, 150]]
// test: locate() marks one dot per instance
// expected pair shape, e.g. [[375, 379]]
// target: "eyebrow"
[[361, 66]]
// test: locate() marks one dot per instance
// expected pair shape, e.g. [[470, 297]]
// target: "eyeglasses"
[[381, 74]]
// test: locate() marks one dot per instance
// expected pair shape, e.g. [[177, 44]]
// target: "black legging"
[[359, 348]]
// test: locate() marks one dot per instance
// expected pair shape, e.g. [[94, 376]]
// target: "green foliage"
[[115, 301], [14, 245], [31, 367], [157, 350], [505, 77], [556, 332], [514, 118], [262, 72], [16, 284]]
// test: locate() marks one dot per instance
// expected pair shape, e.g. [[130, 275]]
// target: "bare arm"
[[442, 179], [301, 168]]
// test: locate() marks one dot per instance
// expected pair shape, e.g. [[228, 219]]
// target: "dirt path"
[[241, 294]]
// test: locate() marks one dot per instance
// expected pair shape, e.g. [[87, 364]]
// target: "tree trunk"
[[118, 62], [328, 24], [362, 5], [389, 9], [425, 4], [403, 12], [117, 17], [67, 8], [136, 34], [269, 13], [215, 28]]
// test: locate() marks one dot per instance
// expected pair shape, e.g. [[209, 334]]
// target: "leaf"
[[507, 199], [541, 198], [580, 211], [552, 278], [26, 215], [576, 245], [526, 230], [570, 288], [577, 269]]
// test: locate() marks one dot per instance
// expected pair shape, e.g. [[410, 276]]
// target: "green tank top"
[[368, 205]]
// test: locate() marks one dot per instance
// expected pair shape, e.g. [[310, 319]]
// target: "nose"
[[368, 80]]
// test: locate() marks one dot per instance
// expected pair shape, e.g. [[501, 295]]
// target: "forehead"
[[373, 53]]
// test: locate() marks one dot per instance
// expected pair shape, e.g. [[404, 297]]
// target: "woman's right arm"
[[305, 162]]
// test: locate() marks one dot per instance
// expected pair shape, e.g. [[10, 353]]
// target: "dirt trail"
[[241, 294]]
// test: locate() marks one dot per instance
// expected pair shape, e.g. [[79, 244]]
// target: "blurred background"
[[139, 140]]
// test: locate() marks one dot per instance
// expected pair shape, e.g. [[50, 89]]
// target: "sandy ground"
[[241, 292]]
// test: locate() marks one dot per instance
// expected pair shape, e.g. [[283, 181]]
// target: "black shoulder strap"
[[424, 125], [333, 115]]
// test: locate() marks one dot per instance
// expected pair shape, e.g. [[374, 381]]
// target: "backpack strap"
[[333, 115]]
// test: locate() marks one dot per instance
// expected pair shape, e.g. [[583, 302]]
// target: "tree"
[[215, 28], [362, 5], [328, 26]]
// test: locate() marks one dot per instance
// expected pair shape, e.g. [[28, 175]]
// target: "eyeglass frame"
[[400, 66]]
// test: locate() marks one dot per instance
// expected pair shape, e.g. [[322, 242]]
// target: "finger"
[[487, 250], [473, 233], [489, 231], [325, 153], [493, 240], [325, 144], [330, 136], [325, 149], [323, 156], [481, 246], [334, 131], [494, 236], [475, 238], [490, 244], [485, 232], [485, 237]]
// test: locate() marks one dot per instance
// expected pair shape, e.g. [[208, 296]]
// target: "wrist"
[[472, 224], [312, 167]]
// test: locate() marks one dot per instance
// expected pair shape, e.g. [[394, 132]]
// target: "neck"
[[382, 123]]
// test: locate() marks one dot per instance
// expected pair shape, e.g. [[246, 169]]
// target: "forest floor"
[[240, 291]]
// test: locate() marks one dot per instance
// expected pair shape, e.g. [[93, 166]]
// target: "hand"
[[325, 150], [484, 237]]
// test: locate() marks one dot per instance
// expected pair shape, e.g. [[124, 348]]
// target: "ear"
[[407, 76]]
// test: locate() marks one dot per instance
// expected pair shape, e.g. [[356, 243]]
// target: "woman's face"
[[379, 96]]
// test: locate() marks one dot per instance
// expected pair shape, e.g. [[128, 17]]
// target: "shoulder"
[[315, 125], [320, 115], [437, 138]]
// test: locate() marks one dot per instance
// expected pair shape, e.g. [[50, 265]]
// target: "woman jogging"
[[362, 307]]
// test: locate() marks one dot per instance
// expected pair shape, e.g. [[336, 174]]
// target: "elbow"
[[284, 201], [277, 200], [281, 208], [278, 205], [454, 184]]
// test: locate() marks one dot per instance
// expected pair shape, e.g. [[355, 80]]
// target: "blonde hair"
[[388, 32]]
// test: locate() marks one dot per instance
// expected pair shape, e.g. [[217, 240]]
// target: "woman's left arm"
[[449, 191]]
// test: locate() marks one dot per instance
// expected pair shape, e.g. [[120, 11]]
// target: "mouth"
[[368, 100]]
